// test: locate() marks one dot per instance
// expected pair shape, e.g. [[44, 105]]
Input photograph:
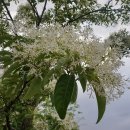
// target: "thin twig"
[[101, 10], [11, 103], [44, 8], [8, 12], [38, 17], [33, 8], [8, 124], [109, 2], [8, 106], [34, 11]]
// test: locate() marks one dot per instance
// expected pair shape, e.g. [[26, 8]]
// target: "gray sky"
[[117, 115]]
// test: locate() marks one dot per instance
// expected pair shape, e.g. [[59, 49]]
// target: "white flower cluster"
[[55, 42]]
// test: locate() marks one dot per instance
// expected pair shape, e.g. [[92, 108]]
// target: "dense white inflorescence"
[[73, 45]]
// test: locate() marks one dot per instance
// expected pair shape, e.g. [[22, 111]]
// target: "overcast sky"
[[117, 115]]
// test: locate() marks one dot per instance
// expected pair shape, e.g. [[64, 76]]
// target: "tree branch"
[[11, 103], [9, 14], [109, 2], [19, 94], [33, 8], [34, 11], [2, 108], [44, 8], [38, 17], [8, 106], [8, 124], [101, 10], [6, 109], [7, 10]]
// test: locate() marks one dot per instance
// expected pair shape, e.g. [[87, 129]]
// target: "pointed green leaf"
[[75, 93], [101, 102], [5, 53], [62, 62], [34, 88], [101, 99], [12, 68], [91, 75], [6, 60], [83, 81], [82, 77], [47, 77], [63, 93]]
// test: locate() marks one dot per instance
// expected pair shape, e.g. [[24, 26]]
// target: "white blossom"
[[74, 44]]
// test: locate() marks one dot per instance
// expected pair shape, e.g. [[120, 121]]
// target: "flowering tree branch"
[[7, 10]]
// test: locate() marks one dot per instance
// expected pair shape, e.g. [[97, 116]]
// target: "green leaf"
[[92, 75], [34, 88], [101, 99], [101, 102], [75, 93], [63, 93], [47, 77], [6, 60], [63, 62], [83, 81], [82, 77], [5, 53], [12, 68]]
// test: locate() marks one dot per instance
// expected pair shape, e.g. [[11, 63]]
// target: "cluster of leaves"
[[120, 40], [79, 11]]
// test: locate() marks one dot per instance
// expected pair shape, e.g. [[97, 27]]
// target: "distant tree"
[[120, 40]]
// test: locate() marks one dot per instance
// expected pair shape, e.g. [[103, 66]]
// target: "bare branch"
[[109, 2], [7, 10], [8, 124], [34, 11], [38, 17], [9, 14], [44, 8]]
